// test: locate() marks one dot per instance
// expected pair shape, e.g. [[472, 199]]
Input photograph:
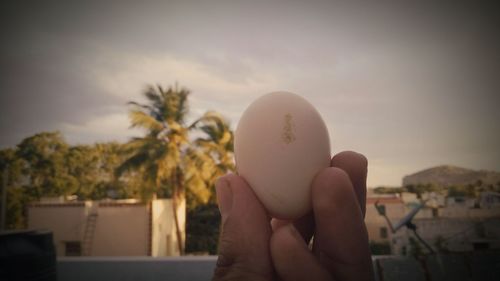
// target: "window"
[[72, 248], [435, 213], [383, 232]]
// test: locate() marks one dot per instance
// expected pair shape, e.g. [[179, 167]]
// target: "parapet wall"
[[481, 265]]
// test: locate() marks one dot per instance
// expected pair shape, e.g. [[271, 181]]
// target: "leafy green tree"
[[44, 165], [389, 190], [419, 189], [217, 147], [111, 157], [463, 191], [166, 157], [93, 167], [202, 229], [83, 164], [11, 168]]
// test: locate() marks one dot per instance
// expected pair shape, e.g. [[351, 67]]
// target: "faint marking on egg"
[[280, 144], [288, 135]]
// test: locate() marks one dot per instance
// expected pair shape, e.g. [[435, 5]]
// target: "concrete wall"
[[121, 230], [463, 267], [424, 213], [460, 211], [459, 233], [164, 236], [66, 221], [374, 222]]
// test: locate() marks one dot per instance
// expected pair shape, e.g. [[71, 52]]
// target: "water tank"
[[27, 255]]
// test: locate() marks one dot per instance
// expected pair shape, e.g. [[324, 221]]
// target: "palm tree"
[[217, 144], [165, 156]]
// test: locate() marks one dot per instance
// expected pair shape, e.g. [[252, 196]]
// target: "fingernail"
[[224, 197]]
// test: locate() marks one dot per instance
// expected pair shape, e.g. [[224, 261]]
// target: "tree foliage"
[[176, 158], [172, 164], [173, 159], [202, 229], [44, 165]]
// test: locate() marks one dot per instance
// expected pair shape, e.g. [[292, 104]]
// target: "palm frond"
[[147, 108], [132, 163], [153, 96], [139, 119], [182, 107], [165, 148]]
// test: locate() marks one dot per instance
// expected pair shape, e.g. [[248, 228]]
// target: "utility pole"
[[4, 197]]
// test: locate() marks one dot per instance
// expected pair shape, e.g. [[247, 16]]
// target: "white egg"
[[280, 144]]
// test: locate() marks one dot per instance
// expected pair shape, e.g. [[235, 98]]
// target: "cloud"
[[214, 86], [409, 85], [109, 127]]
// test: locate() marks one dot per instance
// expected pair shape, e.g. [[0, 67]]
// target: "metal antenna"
[[405, 221]]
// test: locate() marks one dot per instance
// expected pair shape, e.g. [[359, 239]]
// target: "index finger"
[[341, 239], [356, 166]]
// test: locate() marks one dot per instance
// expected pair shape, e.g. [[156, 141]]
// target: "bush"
[[202, 229]]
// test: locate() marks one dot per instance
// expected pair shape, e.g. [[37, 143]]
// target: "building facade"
[[453, 224], [111, 227]]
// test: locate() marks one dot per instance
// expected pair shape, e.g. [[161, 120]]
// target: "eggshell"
[[280, 144]]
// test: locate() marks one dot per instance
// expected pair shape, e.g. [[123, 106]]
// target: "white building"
[[434, 199], [409, 198], [460, 234], [460, 201], [489, 200], [459, 226], [378, 229], [110, 228]]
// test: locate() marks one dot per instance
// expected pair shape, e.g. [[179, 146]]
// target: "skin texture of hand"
[[254, 246]]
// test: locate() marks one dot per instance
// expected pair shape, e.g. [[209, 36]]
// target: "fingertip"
[[329, 186], [350, 159], [356, 166], [285, 236], [341, 232], [330, 173], [245, 233], [233, 179]]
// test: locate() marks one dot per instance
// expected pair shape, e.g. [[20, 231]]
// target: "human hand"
[[254, 246]]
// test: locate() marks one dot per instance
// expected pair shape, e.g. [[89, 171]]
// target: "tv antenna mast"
[[405, 221]]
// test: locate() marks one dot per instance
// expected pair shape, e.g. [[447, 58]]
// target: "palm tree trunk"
[[177, 226], [177, 194]]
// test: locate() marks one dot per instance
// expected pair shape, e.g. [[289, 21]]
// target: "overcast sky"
[[409, 85]]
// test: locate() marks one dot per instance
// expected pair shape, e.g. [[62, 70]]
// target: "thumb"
[[246, 230]]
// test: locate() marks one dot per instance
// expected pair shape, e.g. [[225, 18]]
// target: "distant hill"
[[447, 175]]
